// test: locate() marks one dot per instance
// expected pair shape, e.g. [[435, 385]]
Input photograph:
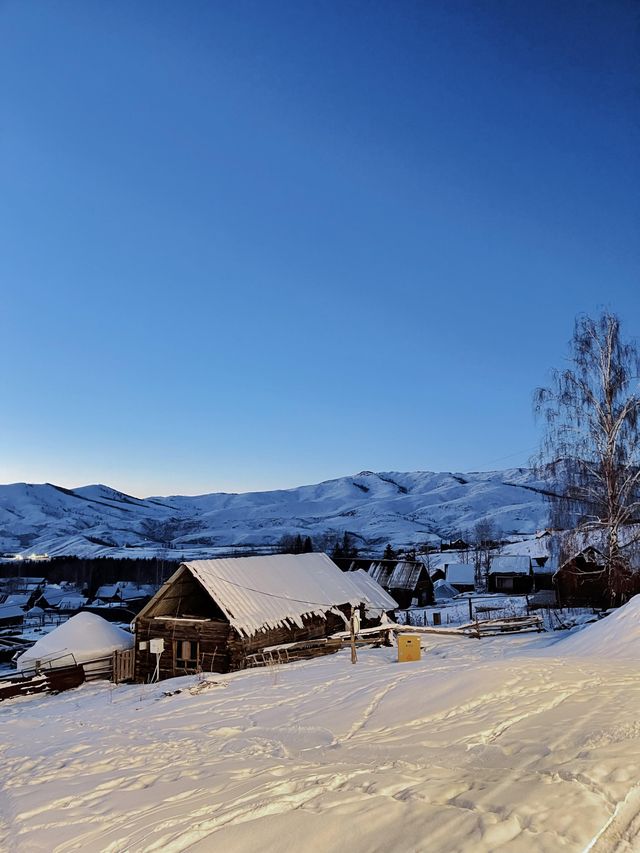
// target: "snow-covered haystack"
[[85, 637], [617, 636]]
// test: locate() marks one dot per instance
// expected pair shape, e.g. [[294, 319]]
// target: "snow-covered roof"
[[70, 602], [381, 572], [443, 591], [259, 593], [550, 567], [108, 590], [462, 573], [510, 564], [20, 598], [53, 594], [125, 590], [405, 576], [11, 611], [374, 595]]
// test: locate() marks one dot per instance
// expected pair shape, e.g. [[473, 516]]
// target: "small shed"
[[462, 576], [409, 584], [511, 573], [212, 614]]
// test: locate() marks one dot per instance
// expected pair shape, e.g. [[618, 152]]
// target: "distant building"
[[510, 573], [410, 584], [461, 576], [11, 615]]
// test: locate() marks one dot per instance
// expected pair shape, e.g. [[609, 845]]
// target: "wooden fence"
[[123, 665]]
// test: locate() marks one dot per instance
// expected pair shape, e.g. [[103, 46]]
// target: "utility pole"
[[354, 625]]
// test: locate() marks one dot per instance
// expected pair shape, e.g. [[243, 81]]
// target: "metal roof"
[[375, 595], [517, 564], [462, 573], [381, 572], [405, 576], [259, 593]]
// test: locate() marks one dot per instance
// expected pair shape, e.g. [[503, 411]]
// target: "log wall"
[[211, 635], [221, 647]]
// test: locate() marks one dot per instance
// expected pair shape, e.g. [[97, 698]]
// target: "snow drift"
[[615, 637], [83, 638]]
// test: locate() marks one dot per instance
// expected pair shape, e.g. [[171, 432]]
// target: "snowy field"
[[518, 744]]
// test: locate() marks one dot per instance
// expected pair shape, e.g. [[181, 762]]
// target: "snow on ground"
[[616, 637], [484, 745]]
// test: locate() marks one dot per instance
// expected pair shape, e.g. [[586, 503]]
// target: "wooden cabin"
[[583, 581], [511, 574], [461, 576], [212, 614], [410, 584]]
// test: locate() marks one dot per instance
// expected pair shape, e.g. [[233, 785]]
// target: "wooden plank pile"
[[117, 667], [287, 652], [50, 681], [508, 625], [10, 646]]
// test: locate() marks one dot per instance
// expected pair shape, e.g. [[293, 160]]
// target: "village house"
[[408, 582], [20, 599], [583, 581], [511, 574], [11, 615], [461, 576], [212, 615]]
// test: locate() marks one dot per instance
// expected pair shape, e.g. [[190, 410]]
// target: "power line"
[[283, 597]]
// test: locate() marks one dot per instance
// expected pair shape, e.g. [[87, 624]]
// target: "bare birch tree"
[[591, 446], [484, 542]]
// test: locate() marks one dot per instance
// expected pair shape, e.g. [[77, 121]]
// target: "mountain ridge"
[[405, 508]]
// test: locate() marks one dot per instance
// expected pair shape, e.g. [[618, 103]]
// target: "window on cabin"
[[186, 654]]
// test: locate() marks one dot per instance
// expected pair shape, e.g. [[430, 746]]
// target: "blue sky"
[[248, 245]]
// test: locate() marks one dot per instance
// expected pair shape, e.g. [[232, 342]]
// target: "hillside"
[[403, 508], [512, 744]]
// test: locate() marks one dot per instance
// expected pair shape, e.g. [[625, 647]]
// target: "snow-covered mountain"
[[402, 508]]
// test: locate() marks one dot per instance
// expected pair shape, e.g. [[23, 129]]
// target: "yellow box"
[[408, 647]]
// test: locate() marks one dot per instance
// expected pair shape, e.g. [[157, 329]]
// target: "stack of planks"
[[51, 681]]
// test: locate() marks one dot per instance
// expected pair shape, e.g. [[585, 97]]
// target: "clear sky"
[[249, 245]]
